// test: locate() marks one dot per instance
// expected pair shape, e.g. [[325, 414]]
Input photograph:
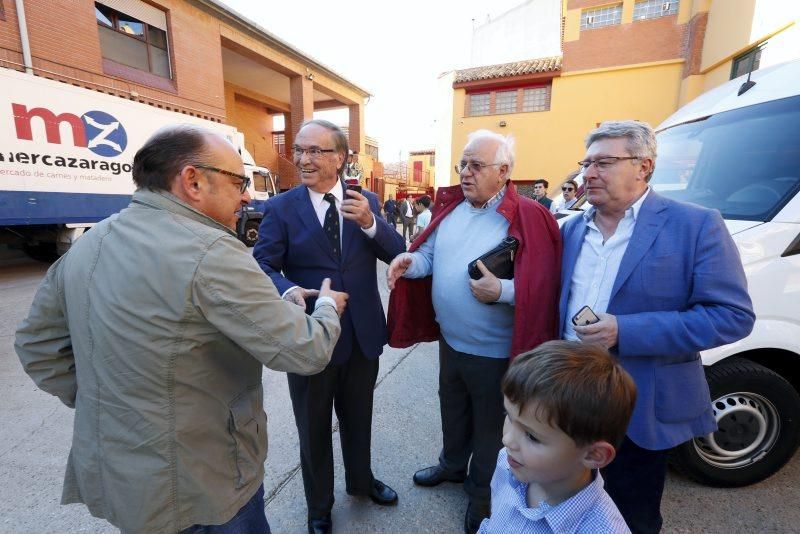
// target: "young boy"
[[424, 215], [568, 405]]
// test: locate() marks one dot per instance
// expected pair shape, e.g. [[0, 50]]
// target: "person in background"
[[405, 210], [423, 214], [390, 211], [319, 230], [155, 327], [540, 192], [666, 281], [569, 195], [567, 407]]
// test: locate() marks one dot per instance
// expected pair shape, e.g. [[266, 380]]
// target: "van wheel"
[[758, 415], [250, 235], [44, 252]]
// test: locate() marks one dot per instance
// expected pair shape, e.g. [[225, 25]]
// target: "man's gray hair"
[[340, 143], [167, 152], [505, 146], [640, 135]]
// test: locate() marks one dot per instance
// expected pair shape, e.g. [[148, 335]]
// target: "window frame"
[[660, 14], [598, 9], [144, 38], [520, 99]]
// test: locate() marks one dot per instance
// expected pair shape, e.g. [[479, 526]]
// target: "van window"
[[745, 162]]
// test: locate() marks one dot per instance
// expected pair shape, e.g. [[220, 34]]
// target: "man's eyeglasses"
[[473, 166], [605, 163], [313, 152], [245, 180], [568, 189]]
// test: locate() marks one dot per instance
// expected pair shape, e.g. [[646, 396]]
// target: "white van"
[[736, 149]]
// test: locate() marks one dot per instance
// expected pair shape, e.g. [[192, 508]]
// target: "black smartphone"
[[353, 187], [585, 316]]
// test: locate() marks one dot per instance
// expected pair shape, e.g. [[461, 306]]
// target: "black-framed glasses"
[[568, 189], [473, 166], [245, 179], [314, 152], [604, 163]]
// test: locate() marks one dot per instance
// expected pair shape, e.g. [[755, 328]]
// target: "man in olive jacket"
[[155, 327]]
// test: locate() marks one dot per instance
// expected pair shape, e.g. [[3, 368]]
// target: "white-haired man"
[[480, 324]]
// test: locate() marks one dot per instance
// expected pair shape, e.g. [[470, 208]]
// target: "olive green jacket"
[[155, 327]]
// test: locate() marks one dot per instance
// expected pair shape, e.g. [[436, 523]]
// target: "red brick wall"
[[625, 44], [256, 125], [64, 40], [695, 34]]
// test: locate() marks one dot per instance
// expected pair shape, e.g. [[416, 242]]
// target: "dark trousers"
[[408, 226], [391, 218], [635, 482], [348, 389], [250, 519], [471, 406]]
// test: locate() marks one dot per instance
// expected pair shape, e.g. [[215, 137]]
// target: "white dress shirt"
[[321, 206], [597, 265]]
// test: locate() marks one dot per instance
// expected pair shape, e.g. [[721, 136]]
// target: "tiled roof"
[[517, 68]]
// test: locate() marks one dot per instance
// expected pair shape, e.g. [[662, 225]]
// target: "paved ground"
[[36, 430]]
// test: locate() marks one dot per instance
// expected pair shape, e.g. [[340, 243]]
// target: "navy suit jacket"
[[293, 250], [680, 289]]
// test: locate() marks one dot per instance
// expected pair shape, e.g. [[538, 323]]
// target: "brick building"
[[195, 57]]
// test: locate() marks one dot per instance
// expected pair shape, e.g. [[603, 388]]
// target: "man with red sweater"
[[479, 324]]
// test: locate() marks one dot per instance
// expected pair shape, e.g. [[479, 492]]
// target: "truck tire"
[[250, 234], [43, 252], [758, 414]]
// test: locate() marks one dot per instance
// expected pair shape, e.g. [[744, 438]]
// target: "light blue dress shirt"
[[590, 511], [597, 265]]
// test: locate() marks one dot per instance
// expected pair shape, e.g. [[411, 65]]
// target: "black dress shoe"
[[474, 517], [435, 475], [321, 525], [382, 494]]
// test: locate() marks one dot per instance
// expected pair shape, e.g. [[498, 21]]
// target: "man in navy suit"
[[666, 281], [321, 230]]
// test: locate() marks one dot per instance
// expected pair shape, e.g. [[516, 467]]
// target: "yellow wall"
[[550, 143]]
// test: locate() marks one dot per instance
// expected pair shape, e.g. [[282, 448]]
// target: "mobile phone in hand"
[[353, 187], [585, 316]]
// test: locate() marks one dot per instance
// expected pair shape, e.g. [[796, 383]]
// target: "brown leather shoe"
[[435, 475]]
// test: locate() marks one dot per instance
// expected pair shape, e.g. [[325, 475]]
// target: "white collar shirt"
[[598, 264]]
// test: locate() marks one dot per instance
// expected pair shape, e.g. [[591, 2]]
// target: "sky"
[[393, 50]]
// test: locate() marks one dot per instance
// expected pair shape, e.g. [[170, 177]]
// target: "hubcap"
[[748, 427]]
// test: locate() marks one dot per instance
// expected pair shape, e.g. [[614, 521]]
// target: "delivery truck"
[[66, 155]]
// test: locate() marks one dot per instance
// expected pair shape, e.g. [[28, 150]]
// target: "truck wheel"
[[758, 415], [44, 252], [250, 234]]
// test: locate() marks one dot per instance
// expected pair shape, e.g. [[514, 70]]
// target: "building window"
[[479, 104], [747, 62], [2, 11], [521, 100], [279, 142], [505, 102], [134, 42], [602, 16], [372, 151], [432, 162], [653, 9], [536, 99]]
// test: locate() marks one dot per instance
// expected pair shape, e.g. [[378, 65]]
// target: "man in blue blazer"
[[666, 281], [321, 230]]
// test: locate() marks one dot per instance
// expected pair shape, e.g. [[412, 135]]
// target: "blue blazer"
[[680, 289], [293, 251]]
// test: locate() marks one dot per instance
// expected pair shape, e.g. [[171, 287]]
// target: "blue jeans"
[[250, 519]]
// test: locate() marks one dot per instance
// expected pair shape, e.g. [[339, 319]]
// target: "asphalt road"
[[35, 433]]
